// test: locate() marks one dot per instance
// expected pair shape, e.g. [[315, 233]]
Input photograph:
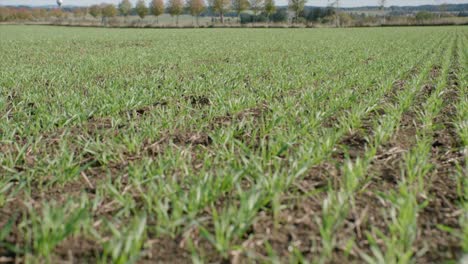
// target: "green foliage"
[[248, 18], [281, 15], [240, 5], [424, 15], [125, 7], [318, 13], [141, 8], [126, 242], [256, 6], [95, 10], [220, 7], [157, 7], [109, 10], [175, 7], [297, 6], [213, 140], [270, 7], [53, 224]]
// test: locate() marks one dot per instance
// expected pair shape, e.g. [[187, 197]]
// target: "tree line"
[[246, 11], [196, 8], [250, 9]]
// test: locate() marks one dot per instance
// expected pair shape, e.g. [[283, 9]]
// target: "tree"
[[4, 13], [80, 12], [270, 8], [25, 14], [221, 7], [175, 8], [256, 6], [95, 11], [125, 7], [315, 14], [423, 15], [297, 6], [336, 6], [57, 13], [157, 8], [42, 13], [196, 7], [281, 15], [442, 8], [141, 9], [239, 6], [108, 10], [382, 4], [382, 9]]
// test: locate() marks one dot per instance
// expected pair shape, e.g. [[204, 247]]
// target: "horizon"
[[345, 3]]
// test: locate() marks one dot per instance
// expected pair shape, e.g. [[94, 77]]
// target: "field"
[[233, 145]]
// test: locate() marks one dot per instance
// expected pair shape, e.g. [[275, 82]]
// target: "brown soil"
[[228, 119], [77, 250], [353, 145], [198, 101], [167, 250], [384, 174], [144, 110]]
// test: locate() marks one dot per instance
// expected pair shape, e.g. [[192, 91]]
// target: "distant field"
[[240, 145]]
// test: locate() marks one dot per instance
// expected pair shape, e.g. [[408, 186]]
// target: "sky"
[[345, 3]]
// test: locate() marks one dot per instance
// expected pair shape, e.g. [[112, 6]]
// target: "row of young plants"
[[44, 246], [107, 190], [172, 206], [338, 203], [170, 118], [205, 187], [186, 187], [114, 85], [411, 196], [461, 125], [235, 218]]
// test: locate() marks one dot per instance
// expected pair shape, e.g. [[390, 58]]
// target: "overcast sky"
[[345, 3]]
